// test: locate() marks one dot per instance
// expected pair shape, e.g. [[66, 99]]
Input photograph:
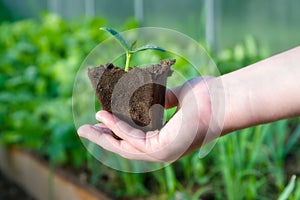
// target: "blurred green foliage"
[[38, 63], [4, 13]]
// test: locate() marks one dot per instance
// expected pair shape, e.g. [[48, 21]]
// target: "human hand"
[[250, 96], [183, 133]]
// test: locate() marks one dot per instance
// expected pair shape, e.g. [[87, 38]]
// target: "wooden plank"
[[37, 180]]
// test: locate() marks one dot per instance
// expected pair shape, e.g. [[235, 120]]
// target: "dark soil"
[[292, 164], [10, 191], [131, 96]]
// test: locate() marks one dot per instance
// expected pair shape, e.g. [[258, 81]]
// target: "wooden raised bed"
[[37, 180]]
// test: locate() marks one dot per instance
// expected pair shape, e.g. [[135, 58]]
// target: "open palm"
[[184, 132]]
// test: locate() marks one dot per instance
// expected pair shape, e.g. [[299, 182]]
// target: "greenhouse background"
[[223, 23], [42, 46]]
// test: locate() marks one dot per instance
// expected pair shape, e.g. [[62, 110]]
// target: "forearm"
[[263, 92]]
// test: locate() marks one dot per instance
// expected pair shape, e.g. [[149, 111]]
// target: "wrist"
[[237, 109], [264, 92]]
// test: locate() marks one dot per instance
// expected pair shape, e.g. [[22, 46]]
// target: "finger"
[[96, 135], [123, 130], [148, 143], [171, 98], [101, 127], [180, 132]]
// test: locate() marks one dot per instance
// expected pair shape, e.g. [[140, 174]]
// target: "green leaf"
[[133, 45], [292, 142], [170, 179], [118, 37], [146, 47], [288, 190]]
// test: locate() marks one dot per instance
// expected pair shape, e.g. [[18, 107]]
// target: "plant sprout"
[[129, 49]]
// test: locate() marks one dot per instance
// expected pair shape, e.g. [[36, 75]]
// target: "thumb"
[[171, 99]]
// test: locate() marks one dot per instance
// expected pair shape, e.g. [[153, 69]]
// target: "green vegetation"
[[38, 62], [129, 49]]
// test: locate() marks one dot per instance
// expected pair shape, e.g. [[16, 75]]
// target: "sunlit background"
[[221, 23], [44, 42]]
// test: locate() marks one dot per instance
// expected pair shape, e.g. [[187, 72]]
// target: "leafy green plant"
[[36, 77], [129, 49]]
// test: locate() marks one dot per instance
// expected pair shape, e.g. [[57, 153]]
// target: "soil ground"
[[10, 191], [130, 96]]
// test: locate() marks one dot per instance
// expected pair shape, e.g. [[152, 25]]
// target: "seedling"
[[130, 49]]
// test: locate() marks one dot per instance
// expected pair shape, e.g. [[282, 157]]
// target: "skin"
[[263, 92]]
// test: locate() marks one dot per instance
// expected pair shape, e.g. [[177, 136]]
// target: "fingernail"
[[80, 131], [102, 116], [98, 115]]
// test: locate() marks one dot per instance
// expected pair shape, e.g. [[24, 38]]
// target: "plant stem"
[[128, 57]]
